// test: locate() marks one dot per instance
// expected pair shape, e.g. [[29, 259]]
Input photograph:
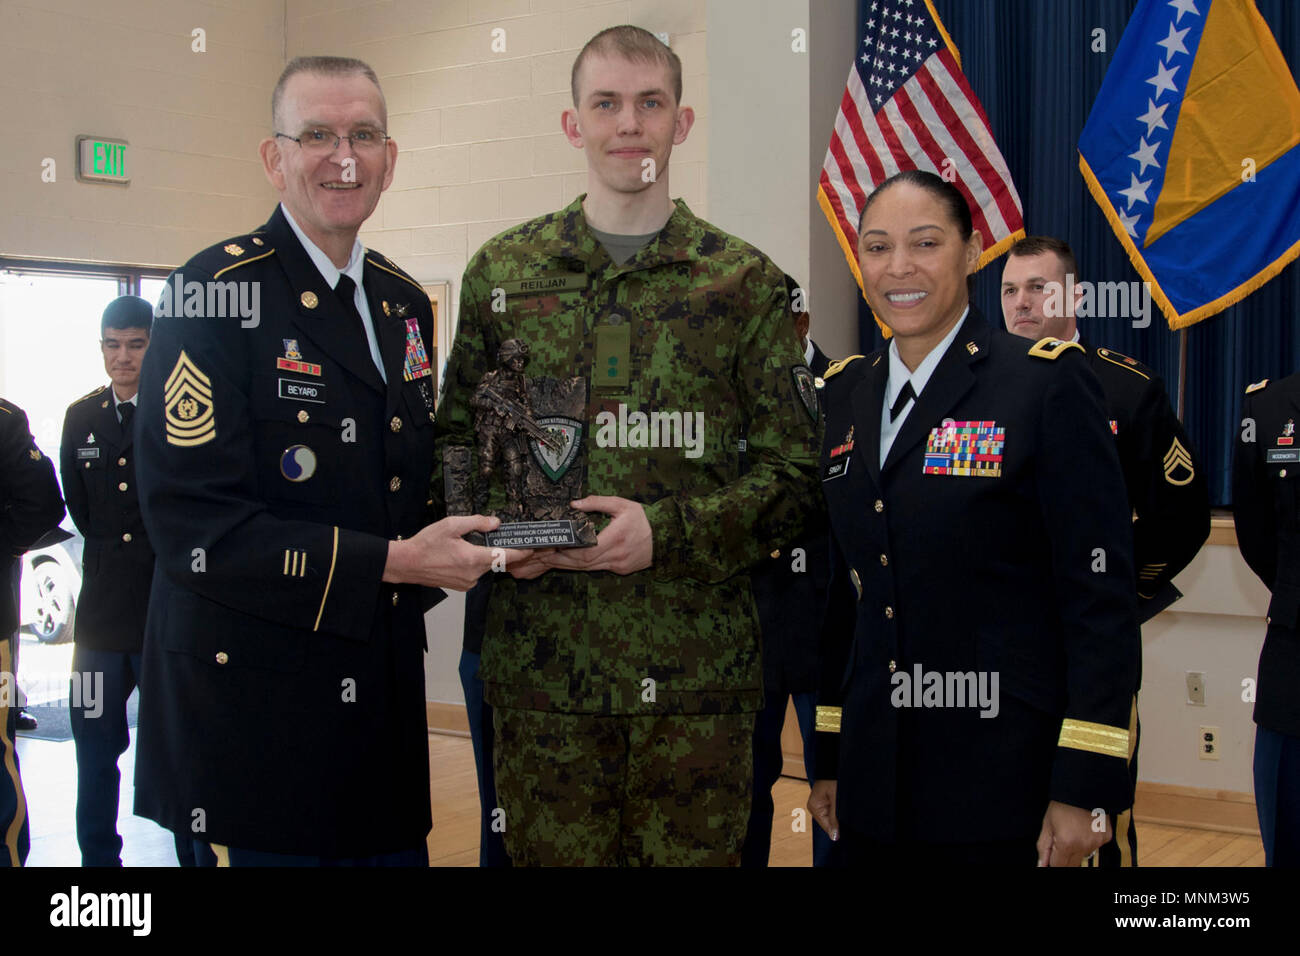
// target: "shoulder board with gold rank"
[[231, 254], [1052, 349], [93, 393], [838, 366], [1124, 362], [1256, 387], [383, 263]]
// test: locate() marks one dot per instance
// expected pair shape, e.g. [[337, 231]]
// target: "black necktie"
[[900, 403], [346, 291], [127, 411]]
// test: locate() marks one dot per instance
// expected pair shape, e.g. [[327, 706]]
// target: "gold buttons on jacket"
[[121, 486], [889, 613], [121, 461], [1282, 473], [127, 537], [396, 424], [893, 666], [303, 416], [222, 657], [431, 417], [394, 599], [884, 561], [309, 299], [395, 484], [880, 506], [776, 553]]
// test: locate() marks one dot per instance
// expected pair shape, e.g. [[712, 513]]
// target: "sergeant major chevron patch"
[[187, 402]]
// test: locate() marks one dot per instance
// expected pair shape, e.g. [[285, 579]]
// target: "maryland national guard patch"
[[805, 385], [187, 401]]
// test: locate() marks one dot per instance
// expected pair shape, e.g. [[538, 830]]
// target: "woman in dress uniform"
[[981, 640]]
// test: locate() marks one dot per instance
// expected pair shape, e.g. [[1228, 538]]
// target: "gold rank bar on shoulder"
[[828, 720], [1095, 738], [1052, 348]]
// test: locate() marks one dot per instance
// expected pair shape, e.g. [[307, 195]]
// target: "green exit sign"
[[101, 160]]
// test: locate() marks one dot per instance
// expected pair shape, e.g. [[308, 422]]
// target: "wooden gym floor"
[[50, 772]]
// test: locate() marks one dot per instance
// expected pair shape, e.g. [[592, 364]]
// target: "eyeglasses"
[[326, 141]]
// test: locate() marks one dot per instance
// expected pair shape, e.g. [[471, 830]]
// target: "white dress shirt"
[[353, 270], [899, 376]]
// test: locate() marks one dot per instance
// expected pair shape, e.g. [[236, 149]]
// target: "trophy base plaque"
[[538, 534]]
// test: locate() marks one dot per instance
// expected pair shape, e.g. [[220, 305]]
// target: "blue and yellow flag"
[[1192, 150]]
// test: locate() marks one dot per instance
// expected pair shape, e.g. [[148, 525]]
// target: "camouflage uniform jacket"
[[710, 338]]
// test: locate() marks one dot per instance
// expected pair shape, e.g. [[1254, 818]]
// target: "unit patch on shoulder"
[[187, 403], [1052, 349], [805, 387]]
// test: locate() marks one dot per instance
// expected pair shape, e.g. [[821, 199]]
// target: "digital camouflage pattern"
[[586, 790], [696, 322]]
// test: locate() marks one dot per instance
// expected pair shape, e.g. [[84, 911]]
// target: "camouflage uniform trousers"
[[624, 790]]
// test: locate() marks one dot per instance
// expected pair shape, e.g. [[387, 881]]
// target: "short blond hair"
[[635, 44]]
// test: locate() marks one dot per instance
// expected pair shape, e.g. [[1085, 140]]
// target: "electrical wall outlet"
[[1208, 741], [1196, 688]]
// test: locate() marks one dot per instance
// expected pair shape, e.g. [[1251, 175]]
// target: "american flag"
[[908, 106]]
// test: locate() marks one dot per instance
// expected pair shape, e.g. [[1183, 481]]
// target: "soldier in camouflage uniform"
[[625, 677]]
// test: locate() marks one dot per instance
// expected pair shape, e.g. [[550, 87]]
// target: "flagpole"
[[1182, 372]]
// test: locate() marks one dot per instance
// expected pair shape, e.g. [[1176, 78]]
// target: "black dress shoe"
[[25, 721]]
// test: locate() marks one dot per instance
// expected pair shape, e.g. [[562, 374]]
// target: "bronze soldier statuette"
[[530, 433]]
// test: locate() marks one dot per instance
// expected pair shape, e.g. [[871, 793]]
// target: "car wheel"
[[56, 607]]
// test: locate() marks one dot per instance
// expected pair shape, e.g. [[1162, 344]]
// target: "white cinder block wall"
[[475, 91], [128, 70]]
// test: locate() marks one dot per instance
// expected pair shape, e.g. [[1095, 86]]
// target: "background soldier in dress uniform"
[[97, 464], [30, 505], [1266, 510], [982, 640], [1166, 488], [284, 466], [790, 592], [625, 701]]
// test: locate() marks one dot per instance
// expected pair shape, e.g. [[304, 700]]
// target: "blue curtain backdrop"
[[1031, 64]]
